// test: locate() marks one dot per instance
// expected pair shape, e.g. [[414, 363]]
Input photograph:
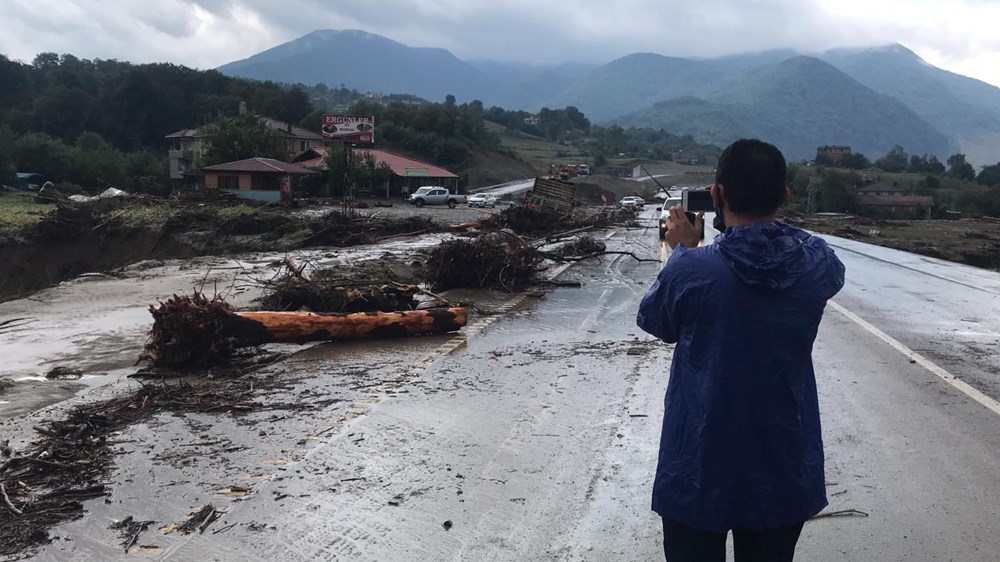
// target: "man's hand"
[[681, 231]]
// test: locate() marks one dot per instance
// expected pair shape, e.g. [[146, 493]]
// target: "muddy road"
[[533, 434]]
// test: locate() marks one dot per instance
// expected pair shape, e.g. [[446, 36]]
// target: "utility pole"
[[813, 194], [348, 186]]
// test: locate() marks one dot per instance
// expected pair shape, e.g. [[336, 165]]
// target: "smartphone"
[[694, 203], [697, 201]]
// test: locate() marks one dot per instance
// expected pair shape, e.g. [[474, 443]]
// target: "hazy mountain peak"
[[894, 49], [874, 96]]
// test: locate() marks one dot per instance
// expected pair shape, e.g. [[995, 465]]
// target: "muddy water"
[[97, 323]]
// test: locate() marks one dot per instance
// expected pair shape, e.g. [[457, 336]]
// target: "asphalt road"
[[534, 435]]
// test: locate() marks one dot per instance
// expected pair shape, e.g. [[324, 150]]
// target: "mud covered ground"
[[42, 244], [973, 242], [70, 453]]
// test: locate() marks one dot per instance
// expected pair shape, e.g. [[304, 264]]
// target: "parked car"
[[483, 200], [434, 195], [665, 214], [632, 202]]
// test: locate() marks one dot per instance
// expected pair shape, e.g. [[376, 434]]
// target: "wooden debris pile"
[[496, 261], [44, 484], [583, 246], [528, 221], [339, 229], [324, 291]]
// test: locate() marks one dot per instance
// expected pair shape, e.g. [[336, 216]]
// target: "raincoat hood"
[[770, 255]]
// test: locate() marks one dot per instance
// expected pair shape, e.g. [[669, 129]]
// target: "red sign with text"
[[349, 128]]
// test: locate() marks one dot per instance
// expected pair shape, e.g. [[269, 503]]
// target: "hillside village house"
[[253, 178], [409, 173], [886, 199], [833, 154], [187, 146]]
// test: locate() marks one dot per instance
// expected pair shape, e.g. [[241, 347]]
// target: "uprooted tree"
[[192, 332]]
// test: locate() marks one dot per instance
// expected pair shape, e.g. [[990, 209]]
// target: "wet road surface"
[[533, 435]]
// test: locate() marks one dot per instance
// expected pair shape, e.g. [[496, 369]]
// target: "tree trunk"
[[256, 328]]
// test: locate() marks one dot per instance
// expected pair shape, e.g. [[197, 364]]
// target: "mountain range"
[[870, 99]]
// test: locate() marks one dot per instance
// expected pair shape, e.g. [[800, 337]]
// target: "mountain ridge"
[[964, 110]]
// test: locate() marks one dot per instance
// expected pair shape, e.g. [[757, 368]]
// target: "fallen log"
[[256, 328], [193, 332]]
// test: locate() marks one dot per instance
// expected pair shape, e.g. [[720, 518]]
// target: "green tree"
[[856, 161], [989, 175], [241, 137], [837, 193], [362, 168], [96, 163], [934, 166], [896, 160], [38, 152], [958, 168], [7, 165]]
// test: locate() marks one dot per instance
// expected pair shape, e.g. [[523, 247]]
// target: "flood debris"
[[530, 221], [325, 291], [840, 513], [199, 519], [64, 374], [130, 530], [583, 246], [46, 483], [340, 229], [192, 332], [188, 333], [500, 260]]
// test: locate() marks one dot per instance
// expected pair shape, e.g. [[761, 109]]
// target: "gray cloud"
[[207, 33]]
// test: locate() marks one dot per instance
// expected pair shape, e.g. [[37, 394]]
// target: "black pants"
[[685, 544]]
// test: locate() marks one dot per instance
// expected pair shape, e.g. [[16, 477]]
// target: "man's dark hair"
[[752, 174]]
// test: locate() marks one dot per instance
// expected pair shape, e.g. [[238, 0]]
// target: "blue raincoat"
[[741, 446]]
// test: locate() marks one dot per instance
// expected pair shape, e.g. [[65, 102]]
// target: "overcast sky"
[[959, 35]]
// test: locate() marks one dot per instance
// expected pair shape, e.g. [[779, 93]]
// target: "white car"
[[435, 195], [632, 202], [482, 200], [665, 214]]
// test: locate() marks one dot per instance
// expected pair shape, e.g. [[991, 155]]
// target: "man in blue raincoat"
[[740, 448]]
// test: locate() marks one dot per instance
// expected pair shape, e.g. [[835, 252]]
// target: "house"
[[253, 178], [879, 188], [909, 206], [187, 146], [532, 120], [832, 154], [409, 173]]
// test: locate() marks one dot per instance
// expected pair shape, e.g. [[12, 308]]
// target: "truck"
[[434, 195]]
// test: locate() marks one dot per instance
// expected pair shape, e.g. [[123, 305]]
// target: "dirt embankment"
[[973, 242]]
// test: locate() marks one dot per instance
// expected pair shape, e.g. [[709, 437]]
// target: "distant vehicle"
[[583, 170], [434, 195], [483, 200], [665, 214], [632, 202]]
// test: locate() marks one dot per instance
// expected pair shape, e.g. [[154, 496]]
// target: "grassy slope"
[[20, 209], [536, 151]]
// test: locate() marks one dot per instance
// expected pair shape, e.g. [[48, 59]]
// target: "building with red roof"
[[410, 173], [254, 178]]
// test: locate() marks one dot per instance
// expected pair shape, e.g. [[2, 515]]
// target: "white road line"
[[944, 375]]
